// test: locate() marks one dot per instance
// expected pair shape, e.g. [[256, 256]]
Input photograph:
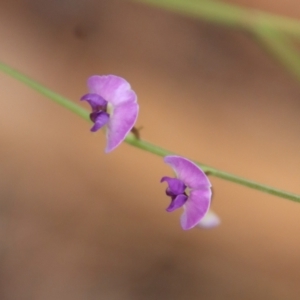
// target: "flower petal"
[[121, 122], [210, 220], [196, 207], [192, 176], [113, 89], [177, 203], [176, 186], [100, 120], [94, 100]]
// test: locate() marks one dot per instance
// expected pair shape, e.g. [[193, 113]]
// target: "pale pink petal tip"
[[210, 220]]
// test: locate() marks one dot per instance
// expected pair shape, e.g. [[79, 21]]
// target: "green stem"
[[280, 47], [228, 14], [132, 140], [267, 28], [46, 92]]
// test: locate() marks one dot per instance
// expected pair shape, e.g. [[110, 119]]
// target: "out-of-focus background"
[[79, 224]]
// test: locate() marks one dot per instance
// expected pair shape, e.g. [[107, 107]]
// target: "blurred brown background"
[[78, 224]]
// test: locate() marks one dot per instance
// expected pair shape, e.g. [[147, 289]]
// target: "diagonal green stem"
[[132, 140], [215, 172], [228, 14], [268, 28], [44, 91], [280, 47]]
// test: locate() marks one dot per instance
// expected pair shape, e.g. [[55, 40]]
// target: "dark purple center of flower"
[[176, 190], [99, 115]]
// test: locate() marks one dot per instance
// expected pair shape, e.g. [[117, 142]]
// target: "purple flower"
[[113, 104], [190, 190]]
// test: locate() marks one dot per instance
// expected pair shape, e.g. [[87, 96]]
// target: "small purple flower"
[[113, 104], [190, 190]]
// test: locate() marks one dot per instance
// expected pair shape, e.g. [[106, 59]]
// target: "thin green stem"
[[228, 14], [268, 28], [133, 141], [46, 92], [280, 47]]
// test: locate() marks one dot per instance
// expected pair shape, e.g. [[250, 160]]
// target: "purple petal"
[[176, 186], [177, 203], [196, 207], [210, 220], [94, 100], [121, 122], [113, 89], [192, 176], [100, 120]]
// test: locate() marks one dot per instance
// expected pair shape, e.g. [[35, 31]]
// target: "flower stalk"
[[132, 140]]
